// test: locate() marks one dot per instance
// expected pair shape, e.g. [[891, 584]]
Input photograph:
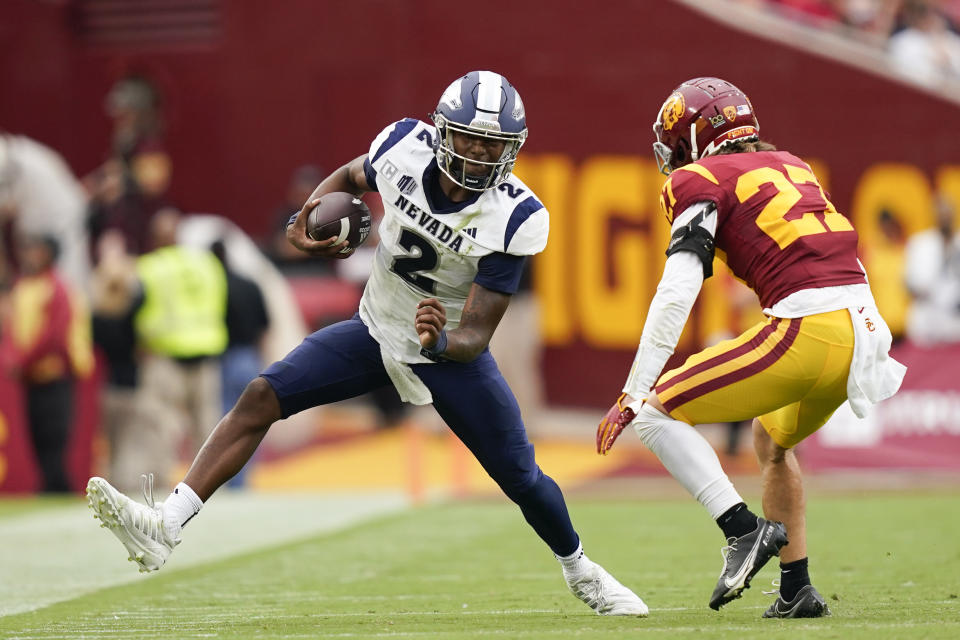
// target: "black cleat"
[[743, 557], [808, 603]]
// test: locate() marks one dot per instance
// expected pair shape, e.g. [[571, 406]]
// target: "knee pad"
[[688, 457], [650, 424]]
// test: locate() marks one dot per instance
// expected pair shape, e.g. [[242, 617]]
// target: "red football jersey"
[[776, 229]]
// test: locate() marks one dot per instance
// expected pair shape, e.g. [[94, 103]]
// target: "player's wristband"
[[435, 353]]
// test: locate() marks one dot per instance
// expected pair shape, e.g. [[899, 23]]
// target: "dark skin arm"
[[481, 314], [349, 178]]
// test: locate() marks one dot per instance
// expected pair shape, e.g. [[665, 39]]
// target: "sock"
[[689, 458], [181, 505], [737, 521], [573, 562], [793, 577]]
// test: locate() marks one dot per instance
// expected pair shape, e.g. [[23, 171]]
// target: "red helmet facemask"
[[701, 116]]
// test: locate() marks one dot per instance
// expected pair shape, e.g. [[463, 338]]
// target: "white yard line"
[[59, 554]]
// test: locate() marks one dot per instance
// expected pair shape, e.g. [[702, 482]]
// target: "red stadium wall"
[[264, 87]]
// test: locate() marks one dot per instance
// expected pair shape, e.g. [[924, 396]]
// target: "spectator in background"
[[38, 194], [181, 327], [870, 21], [115, 298], [132, 184], [247, 322], [302, 183], [812, 11], [46, 344], [926, 50], [951, 10], [932, 275]]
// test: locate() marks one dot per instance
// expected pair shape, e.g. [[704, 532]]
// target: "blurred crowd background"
[[151, 155], [920, 36]]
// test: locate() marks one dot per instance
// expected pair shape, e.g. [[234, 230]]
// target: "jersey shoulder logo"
[[389, 170], [407, 185]]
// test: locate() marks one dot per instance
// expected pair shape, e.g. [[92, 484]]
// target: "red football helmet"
[[701, 116]]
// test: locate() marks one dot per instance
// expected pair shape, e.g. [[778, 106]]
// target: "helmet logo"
[[717, 121], [518, 112], [672, 110], [730, 112], [451, 97]]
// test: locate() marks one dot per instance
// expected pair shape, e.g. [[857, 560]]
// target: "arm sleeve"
[[500, 272], [676, 293]]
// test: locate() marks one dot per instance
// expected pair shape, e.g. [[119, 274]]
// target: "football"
[[340, 215]]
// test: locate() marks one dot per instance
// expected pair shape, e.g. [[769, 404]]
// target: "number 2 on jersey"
[[772, 219], [423, 258]]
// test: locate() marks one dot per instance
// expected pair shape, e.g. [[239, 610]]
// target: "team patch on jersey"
[[388, 170], [431, 225], [407, 185]]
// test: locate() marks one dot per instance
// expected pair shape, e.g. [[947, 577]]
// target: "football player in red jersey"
[[762, 212]]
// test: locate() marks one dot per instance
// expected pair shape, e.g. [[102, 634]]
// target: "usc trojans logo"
[[672, 110], [731, 113]]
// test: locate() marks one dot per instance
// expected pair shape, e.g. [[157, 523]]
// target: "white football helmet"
[[481, 103]]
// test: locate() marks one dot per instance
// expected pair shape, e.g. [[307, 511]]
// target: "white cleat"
[[603, 593], [139, 527]]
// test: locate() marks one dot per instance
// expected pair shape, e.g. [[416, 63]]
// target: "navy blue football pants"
[[342, 361]]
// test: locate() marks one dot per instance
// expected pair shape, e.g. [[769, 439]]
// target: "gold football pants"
[[789, 372]]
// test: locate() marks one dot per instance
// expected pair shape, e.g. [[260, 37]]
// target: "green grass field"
[[889, 566]]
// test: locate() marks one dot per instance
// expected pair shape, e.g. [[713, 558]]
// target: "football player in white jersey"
[[457, 228]]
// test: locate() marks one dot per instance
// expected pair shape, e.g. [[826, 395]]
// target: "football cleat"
[[602, 593], [743, 557], [808, 603], [139, 527]]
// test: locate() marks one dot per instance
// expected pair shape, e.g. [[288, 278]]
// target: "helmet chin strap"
[[457, 173], [694, 152], [469, 180]]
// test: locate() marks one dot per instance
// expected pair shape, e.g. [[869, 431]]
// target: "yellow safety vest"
[[185, 303]]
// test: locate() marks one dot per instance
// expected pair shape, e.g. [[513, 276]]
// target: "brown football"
[[342, 216]]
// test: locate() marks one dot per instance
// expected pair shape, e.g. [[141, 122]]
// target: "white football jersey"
[[433, 253]]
